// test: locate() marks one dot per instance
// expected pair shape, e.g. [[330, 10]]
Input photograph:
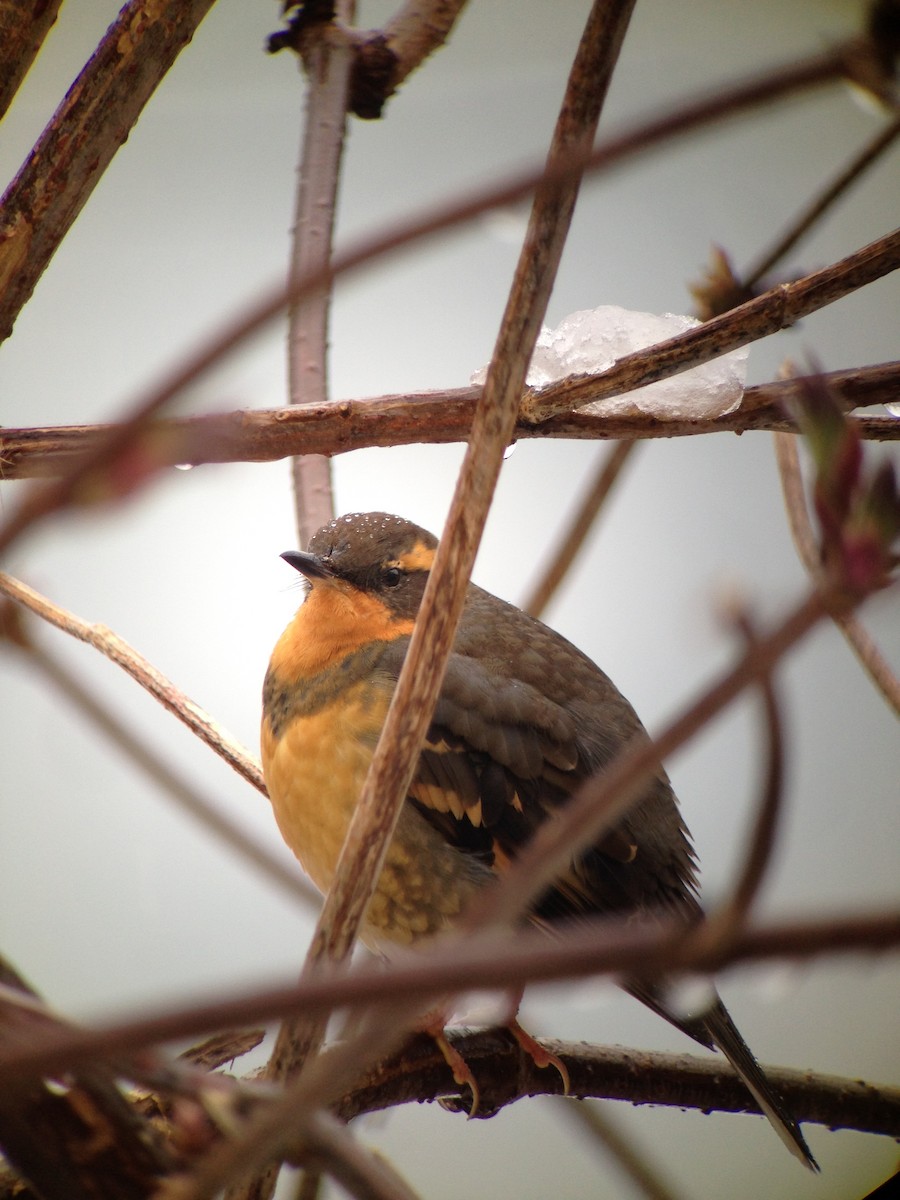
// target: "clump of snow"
[[590, 341]]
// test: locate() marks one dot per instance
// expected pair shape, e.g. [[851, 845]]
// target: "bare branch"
[[605, 476], [84, 134], [328, 58], [141, 671], [774, 310], [419, 1073], [677, 121], [414, 698], [265, 435], [23, 28], [202, 809]]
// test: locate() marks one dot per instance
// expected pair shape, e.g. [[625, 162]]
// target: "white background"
[[110, 901]]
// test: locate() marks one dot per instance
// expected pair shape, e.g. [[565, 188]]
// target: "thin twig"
[[677, 121], [265, 435], [858, 637], [605, 476], [804, 221], [629, 1158], [188, 798], [143, 672], [722, 924]]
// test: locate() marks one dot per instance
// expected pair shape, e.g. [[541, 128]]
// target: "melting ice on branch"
[[590, 341]]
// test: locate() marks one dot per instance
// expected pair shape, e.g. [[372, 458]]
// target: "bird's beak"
[[309, 565]]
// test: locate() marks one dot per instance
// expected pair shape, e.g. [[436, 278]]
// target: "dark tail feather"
[[715, 1028], [723, 1031]]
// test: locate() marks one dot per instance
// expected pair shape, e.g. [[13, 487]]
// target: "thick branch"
[[85, 132], [23, 27], [505, 1075], [264, 435]]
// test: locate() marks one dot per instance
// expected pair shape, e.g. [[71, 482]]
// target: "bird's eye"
[[392, 577]]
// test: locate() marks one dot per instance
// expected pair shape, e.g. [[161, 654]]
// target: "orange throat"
[[333, 621]]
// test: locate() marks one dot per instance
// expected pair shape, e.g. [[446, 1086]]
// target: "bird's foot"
[[538, 1054], [462, 1072]]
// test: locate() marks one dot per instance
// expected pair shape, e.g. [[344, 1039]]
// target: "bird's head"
[[385, 557]]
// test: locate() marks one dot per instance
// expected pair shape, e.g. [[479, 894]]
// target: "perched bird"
[[522, 719]]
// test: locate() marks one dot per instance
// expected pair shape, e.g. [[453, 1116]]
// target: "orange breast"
[[315, 772]]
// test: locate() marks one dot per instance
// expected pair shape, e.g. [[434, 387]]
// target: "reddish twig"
[[266, 435]]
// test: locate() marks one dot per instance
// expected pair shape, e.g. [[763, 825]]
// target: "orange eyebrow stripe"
[[420, 558]]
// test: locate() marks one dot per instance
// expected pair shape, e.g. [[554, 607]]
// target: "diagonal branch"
[[188, 798], [87, 129], [23, 28], [117, 650], [774, 310]]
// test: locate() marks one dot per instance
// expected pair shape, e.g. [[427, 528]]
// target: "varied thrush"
[[522, 719]]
